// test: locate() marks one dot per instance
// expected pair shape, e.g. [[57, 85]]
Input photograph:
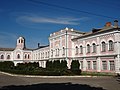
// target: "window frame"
[[103, 46], [111, 45], [88, 48]]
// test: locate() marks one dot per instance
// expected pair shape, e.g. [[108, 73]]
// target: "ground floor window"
[[112, 66], [104, 65], [94, 65], [88, 63]]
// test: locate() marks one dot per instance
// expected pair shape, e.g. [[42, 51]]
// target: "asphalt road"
[[8, 82]]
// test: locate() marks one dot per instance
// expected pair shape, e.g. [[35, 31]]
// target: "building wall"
[[99, 57], [64, 45]]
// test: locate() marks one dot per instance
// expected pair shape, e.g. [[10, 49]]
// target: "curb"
[[15, 75]]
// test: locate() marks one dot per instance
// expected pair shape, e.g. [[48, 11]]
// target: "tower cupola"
[[20, 43]]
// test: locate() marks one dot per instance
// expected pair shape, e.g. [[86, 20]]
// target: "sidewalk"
[[43, 76]]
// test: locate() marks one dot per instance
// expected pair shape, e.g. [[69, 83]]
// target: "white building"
[[97, 51]]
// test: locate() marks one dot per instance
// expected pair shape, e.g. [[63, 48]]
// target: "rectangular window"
[[112, 66], [94, 65], [104, 65], [88, 62]]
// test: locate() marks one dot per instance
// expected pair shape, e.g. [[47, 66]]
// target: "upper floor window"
[[103, 46], [8, 56], [19, 41], [76, 49], [111, 45], [88, 48], [48, 54], [43, 55], [58, 51], [81, 49], [18, 56], [51, 53], [94, 48], [2, 57], [63, 51], [25, 56], [28, 56]]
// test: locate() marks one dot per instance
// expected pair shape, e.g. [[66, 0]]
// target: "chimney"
[[38, 45], [108, 24], [116, 23]]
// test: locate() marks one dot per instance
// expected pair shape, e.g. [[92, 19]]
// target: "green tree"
[[63, 64], [75, 65]]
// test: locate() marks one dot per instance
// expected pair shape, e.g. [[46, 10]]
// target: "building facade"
[[96, 51]]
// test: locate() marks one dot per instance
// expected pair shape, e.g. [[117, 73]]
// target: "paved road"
[[75, 83]]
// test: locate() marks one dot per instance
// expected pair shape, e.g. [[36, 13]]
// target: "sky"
[[36, 19]]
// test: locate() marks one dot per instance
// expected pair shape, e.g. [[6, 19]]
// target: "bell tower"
[[20, 43]]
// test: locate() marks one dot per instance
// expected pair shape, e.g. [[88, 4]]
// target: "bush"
[[75, 65], [6, 65], [27, 66], [55, 68]]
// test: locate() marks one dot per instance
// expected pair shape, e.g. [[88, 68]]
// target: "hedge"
[[55, 68]]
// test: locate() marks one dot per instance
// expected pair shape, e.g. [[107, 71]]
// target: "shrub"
[[75, 67], [6, 65]]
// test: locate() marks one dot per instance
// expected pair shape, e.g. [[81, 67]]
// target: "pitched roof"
[[7, 49], [96, 31]]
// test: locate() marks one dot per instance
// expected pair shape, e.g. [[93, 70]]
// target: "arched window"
[[81, 49], [94, 48], [46, 54], [19, 41], [28, 56], [8, 56], [2, 56], [111, 45], [25, 56], [58, 51], [88, 48], [18, 56], [103, 46], [51, 53], [43, 55], [63, 51], [76, 50]]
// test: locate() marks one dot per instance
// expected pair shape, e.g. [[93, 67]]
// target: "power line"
[[71, 9]]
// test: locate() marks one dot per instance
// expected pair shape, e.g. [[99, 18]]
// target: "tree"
[[75, 65]]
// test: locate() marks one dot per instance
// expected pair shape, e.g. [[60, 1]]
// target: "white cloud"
[[56, 20]]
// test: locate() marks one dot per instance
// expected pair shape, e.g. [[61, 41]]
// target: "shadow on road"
[[52, 86], [118, 79]]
